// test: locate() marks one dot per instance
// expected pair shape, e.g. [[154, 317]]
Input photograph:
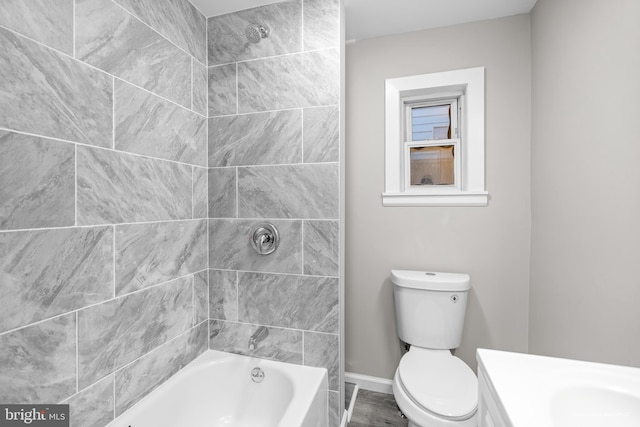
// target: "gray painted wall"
[[490, 243], [585, 274], [103, 243]]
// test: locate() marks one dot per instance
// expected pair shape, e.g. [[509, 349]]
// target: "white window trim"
[[471, 191]]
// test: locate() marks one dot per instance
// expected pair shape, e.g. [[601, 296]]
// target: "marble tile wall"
[[104, 280], [274, 155]]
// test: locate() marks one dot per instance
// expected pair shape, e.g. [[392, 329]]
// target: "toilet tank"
[[430, 307]]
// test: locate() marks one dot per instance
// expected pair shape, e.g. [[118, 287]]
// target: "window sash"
[[457, 164], [420, 102]]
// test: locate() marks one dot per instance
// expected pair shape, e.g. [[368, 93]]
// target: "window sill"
[[459, 198]]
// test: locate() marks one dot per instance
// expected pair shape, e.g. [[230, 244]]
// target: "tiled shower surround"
[[135, 158]]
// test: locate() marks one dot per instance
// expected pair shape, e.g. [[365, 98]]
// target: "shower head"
[[256, 32]]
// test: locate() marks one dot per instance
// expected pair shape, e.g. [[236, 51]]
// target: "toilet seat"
[[439, 383]]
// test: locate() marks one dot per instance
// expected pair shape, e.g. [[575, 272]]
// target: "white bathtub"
[[217, 390]]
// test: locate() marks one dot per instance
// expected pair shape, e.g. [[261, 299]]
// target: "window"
[[434, 140]]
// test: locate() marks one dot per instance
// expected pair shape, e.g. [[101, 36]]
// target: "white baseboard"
[[366, 382]]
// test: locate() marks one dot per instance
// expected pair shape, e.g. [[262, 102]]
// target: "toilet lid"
[[439, 382]]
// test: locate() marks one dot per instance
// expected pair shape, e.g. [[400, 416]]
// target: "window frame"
[[468, 86]]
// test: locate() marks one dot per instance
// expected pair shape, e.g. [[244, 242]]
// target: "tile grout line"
[[237, 90], [97, 147], [165, 221], [186, 331], [302, 229], [133, 15], [73, 24], [72, 227], [270, 273], [155, 94], [262, 58], [277, 110], [192, 192], [93, 67], [117, 297], [114, 260], [113, 113], [237, 296], [75, 154], [191, 94], [77, 354], [285, 328], [238, 193], [302, 121], [24, 36], [301, 25]]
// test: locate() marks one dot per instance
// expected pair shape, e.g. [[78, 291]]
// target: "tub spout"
[[261, 333]]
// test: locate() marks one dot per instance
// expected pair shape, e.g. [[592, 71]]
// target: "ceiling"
[[375, 18]]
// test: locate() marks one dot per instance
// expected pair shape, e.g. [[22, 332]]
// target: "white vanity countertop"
[[538, 391]]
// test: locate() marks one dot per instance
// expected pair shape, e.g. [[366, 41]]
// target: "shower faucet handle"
[[265, 238]]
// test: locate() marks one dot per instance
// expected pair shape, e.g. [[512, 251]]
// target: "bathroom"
[[114, 246]]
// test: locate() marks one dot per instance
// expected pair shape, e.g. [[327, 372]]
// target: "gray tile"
[[222, 193], [46, 273], [223, 295], [201, 297], [284, 345], [115, 333], [321, 24], [230, 247], [299, 80], [177, 20], [93, 406], [321, 134], [295, 191], [223, 90], [334, 409], [228, 43], [50, 94], [38, 182], [288, 301], [200, 192], [116, 187], [47, 21], [321, 247], [39, 362], [149, 125], [148, 254], [113, 40], [200, 90], [256, 139], [323, 351], [144, 375]]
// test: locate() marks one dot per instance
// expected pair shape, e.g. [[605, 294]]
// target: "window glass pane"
[[432, 165], [429, 123]]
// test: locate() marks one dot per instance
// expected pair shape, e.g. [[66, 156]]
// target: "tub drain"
[[257, 375]]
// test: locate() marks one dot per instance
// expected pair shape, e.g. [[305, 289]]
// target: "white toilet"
[[432, 387]]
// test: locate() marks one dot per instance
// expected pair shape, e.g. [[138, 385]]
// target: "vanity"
[[523, 390]]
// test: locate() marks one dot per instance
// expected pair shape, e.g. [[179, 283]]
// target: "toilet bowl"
[[433, 388]]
